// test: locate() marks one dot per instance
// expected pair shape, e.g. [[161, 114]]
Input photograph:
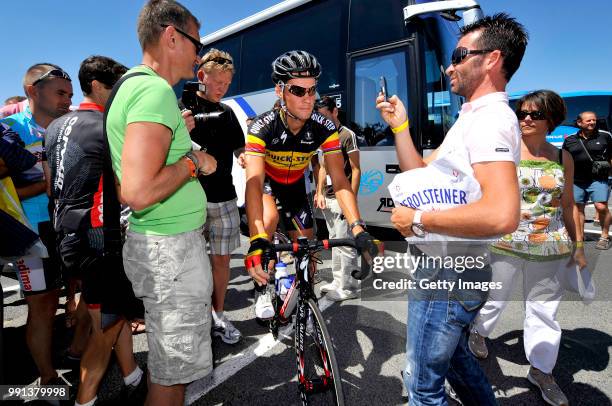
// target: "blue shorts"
[[597, 191]]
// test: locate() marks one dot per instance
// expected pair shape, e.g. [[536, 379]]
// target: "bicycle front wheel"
[[318, 373]]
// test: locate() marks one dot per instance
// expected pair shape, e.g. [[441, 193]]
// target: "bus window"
[[370, 128], [598, 104], [313, 29], [439, 115]]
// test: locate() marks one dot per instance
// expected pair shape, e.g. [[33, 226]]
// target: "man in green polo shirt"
[[164, 254]]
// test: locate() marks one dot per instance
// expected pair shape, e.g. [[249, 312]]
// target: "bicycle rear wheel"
[[318, 373]]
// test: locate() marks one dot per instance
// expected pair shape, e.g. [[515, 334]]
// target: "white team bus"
[[356, 42]]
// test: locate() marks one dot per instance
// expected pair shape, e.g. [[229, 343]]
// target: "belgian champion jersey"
[[286, 155]]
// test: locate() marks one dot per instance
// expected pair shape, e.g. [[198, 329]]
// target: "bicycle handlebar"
[[315, 245]]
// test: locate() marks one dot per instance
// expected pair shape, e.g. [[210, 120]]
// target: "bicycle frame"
[[308, 313], [302, 285]]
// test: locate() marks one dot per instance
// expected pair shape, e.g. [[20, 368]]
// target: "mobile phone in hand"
[[383, 87]]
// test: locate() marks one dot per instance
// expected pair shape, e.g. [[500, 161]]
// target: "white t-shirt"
[[487, 130]]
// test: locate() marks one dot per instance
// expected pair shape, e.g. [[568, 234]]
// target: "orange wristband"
[[193, 171]]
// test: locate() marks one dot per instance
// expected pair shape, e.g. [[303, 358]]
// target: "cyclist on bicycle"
[[280, 144]]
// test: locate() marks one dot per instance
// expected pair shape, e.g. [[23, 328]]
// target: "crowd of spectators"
[[130, 142]]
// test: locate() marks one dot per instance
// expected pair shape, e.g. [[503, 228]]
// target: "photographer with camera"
[[591, 149], [218, 131]]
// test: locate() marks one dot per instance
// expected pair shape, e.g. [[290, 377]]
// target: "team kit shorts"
[[39, 275], [295, 210]]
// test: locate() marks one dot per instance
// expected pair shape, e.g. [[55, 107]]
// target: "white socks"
[[90, 403], [217, 316], [134, 377]]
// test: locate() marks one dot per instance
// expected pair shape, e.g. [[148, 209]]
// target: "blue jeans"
[[596, 191], [437, 344]]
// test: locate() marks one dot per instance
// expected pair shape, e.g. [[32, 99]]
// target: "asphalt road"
[[369, 340]]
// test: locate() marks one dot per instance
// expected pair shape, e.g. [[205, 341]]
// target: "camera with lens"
[[190, 101]]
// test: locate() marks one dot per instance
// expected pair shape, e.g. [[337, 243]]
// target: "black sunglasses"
[[53, 73], [300, 91], [196, 42], [460, 53], [535, 115]]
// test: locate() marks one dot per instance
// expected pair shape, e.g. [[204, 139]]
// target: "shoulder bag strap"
[[583, 147], [111, 205]]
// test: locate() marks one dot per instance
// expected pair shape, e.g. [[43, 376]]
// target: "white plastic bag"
[[445, 183], [574, 279]]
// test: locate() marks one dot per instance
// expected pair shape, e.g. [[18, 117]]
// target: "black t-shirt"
[[600, 149], [220, 136], [75, 152]]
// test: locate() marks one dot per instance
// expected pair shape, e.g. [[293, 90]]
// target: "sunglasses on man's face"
[[535, 115], [300, 91], [53, 73], [196, 42], [460, 53]]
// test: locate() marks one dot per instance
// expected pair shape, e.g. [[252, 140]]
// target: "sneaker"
[[263, 304], [328, 287], [450, 393], [225, 329], [551, 392], [340, 295], [603, 243], [477, 345]]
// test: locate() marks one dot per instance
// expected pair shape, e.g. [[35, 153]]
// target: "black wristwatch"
[[192, 157]]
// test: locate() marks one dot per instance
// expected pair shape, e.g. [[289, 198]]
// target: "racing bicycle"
[[319, 379]]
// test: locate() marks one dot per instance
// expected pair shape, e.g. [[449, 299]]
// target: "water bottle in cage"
[[282, 280]]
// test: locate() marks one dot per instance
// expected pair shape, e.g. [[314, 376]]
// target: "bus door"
[[378, 158]]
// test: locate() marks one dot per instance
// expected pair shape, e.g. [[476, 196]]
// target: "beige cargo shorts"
[[172, 276]]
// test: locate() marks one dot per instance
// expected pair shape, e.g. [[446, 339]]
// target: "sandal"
[[603, 243], [138, 326]]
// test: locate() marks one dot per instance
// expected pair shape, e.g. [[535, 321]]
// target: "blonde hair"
[[218, 60]]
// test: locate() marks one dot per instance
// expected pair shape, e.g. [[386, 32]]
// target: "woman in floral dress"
[[540, 247]]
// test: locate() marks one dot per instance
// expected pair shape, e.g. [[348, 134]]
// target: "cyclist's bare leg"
[[39, 331], [124, 350], [96, 356], [82, 329]]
